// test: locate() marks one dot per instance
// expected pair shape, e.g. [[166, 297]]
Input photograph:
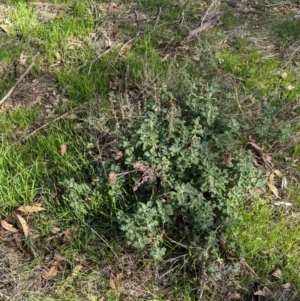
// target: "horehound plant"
[[178, 164]]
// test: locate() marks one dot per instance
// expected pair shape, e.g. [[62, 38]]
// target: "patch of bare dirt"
[[48, 11], [21, 278], [27, 269], [33, 90]]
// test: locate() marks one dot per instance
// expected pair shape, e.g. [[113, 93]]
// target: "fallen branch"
[[282, 3], [210, 11], [205, 25], [246, 11], [14, 86]]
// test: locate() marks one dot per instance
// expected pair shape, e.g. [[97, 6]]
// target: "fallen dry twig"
[[47, 4], [26, 137], [52, 121], [45, 125], [101, 237], [205, 25], [14, 86], [156, 21], [210, 11]]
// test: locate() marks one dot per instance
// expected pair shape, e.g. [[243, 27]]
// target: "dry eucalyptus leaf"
[[278, 173], [63, 149], [23, 224], [263, 292], [286, 285], [274, 190], [76, 270], [31, 209], [283, 203], [8, 227], [112, 7], [57, 257], [165, 57], [23, 58], [5, 28], [284, 183], [18, 240], [57, 55], [271, 178], [277, 274], [55, 230], [112, 283], [51, 273]]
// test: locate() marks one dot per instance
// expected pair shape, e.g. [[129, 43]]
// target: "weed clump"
[[181, 168]]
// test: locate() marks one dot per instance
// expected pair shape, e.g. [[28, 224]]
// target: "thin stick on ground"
[[207, 22], [102, 238], [99, 57], [114, 46], [210, 9], [45, 125], [26, 137], [182, 245], [156, 20], [14, 86], [183, 22], [137, 20]]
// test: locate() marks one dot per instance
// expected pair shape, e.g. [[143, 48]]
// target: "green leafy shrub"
[[179, 163], [75, 194]]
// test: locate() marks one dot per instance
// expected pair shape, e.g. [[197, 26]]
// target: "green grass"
[[287, 31], [32, 166], [265, 76], [65, 44], [58, 36], [268, 239]]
